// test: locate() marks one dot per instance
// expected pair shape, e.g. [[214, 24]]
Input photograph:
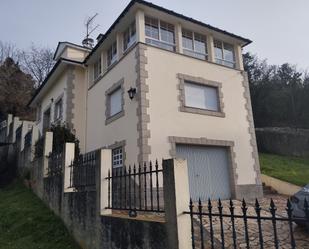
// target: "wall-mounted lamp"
[[132, 92], [52, 100]]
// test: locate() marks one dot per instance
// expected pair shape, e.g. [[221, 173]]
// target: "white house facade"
[[160, 85]]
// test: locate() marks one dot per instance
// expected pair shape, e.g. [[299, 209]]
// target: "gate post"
[[176, 199], [69, 154], [105, 164], [48, 148]]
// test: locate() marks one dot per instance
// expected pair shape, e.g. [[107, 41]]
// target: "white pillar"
[[238, 57], [48, 148], [34, 138], [119, 39], [105, 165], [210, 48], [178, 38], [176, 201], [140, 26], [69, 154]]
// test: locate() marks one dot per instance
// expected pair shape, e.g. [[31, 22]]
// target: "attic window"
[[129, 36], [97, 69], [224, 53], [160, 34], [112, 54]]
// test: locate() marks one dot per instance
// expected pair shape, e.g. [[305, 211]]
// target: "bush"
[[61, 134]]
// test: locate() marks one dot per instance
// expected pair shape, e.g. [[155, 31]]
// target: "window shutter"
[[115, 102]]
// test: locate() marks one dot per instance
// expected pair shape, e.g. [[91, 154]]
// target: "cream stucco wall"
[[79, 105], [98, 134], [166, 119], [74, 54], [57, 89]]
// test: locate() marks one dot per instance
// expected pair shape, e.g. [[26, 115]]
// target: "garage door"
[[208, 171]]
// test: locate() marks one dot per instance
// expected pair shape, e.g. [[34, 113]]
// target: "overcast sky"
[[279, 29]]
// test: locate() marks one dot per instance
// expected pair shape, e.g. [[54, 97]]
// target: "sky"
[[278, 28]]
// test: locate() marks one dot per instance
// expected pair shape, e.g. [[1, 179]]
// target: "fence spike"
[[209, 204], [157, 165], [257, 204], [231, 204], [272, 205]]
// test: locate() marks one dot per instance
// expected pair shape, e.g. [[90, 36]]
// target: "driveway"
[[300, 235]]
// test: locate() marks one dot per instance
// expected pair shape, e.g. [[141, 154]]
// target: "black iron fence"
[[83, 171], [247, 226], [55, 163], [136, 188]]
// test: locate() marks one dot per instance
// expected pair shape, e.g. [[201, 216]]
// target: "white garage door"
[[208, 171]]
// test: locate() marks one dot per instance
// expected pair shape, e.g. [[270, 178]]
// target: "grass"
[[26, 223], [291, 169]]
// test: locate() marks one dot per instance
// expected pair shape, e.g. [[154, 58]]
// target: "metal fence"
[[83, 171], [55, 163], [136, 188], [237, 228]]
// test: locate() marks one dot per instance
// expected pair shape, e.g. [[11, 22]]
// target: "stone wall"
[[283, 141], [81, 215]]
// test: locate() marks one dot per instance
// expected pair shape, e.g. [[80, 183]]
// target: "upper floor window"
[[97, 69], [194, 44], [160, 33], [201, 96], [129, 36], [224, 53], [46, 120], [38, 112], [112, 54], [58, 110]]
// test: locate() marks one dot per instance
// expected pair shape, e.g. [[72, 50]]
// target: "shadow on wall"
[[283, 141]]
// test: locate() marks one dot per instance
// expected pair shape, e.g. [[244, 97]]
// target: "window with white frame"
[[58, 110], [194, 44], [115, 102], [117, 157], [97, 69], [129, 36], [201, 96], [160, 33], [112, 54], [224, 53]]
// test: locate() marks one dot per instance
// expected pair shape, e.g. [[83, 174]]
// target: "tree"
[[279, 94], [8, 50], [37, 61], [16, 89]]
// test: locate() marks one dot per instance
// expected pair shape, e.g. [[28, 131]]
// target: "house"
[[157, 85]]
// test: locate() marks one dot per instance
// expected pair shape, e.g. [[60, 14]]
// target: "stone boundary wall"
[[283, 141], [80, 212]]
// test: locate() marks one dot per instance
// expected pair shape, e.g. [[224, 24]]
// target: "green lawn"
[[26, 223], [291, 169]]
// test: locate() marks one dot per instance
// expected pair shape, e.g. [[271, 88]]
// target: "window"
[[112, 54], [115, 100], [117, 157], [224, 53], [194, 44], [159, 33], [201, 96], [38, 113], [97, 69], [58, 110], [129, 36], [46, 120]]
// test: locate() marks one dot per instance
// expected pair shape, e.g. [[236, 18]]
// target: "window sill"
[[114, 117], [202, 111]]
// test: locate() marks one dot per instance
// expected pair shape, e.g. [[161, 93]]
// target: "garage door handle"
[[197, 175]]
